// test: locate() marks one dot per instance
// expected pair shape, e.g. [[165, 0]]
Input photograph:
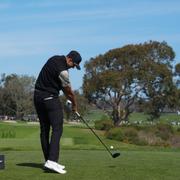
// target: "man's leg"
[[55, 115], [44, 135], [44, 125]]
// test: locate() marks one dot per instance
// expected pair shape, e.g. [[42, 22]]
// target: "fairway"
[[84, 157]]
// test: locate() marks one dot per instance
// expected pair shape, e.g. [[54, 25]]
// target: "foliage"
[[155, 135], [130, 134], [104, 124], [134, 73], [16, 95], [177, 69], [125, 134], [116, 134], [164, 131]]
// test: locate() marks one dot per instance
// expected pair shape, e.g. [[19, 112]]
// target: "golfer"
[[52, 78]]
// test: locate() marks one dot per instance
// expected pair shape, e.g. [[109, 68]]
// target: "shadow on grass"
[[32, 165], [36, 165], [7, 149], [112, 166], [49, 171]]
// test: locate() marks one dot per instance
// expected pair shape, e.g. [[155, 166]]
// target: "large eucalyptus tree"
[[141, 72]]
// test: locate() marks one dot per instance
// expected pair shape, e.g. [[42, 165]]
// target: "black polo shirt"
[[51, 77]]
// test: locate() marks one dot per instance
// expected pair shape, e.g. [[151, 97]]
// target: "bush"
[[156, 135], [130, 134], [149, 138], [115, 133], [104, 124], [164, 131], [141, 142]]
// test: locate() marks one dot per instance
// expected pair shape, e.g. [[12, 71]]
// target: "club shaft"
[[96, 135]]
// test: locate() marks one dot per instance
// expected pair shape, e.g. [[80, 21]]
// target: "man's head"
[[73, 59]]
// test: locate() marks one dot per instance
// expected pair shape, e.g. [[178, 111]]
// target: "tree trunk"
[[120, 114], [116, 115]]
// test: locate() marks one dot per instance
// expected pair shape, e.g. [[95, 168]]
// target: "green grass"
[[88, 165], [165, 117], [94, 115], [169, 117], [84, 157]]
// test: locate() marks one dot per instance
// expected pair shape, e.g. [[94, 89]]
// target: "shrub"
[[156, 135], [164, 131], [131, 134], [175, 141], [141, 142], [149, 138], [127, 135], [115, 133], [165, 127], [104, 124]]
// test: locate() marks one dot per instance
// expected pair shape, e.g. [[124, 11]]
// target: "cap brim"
[[78, 67]]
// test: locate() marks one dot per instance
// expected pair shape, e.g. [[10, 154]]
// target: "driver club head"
[[115, 155]]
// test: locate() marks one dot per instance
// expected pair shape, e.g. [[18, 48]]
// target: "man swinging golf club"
[[52, 78]]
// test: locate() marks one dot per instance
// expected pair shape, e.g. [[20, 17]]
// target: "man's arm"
[[70, 95], [66, 88]]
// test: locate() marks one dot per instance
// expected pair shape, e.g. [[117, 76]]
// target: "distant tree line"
[[16, 95]]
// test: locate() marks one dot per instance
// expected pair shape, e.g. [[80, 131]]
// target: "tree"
[[177, 93], [133, 72], [16, 95], [177, 74]]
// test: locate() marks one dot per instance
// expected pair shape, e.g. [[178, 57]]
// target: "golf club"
[[115, 154]]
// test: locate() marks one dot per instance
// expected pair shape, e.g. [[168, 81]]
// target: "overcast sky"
[[32, 31]]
